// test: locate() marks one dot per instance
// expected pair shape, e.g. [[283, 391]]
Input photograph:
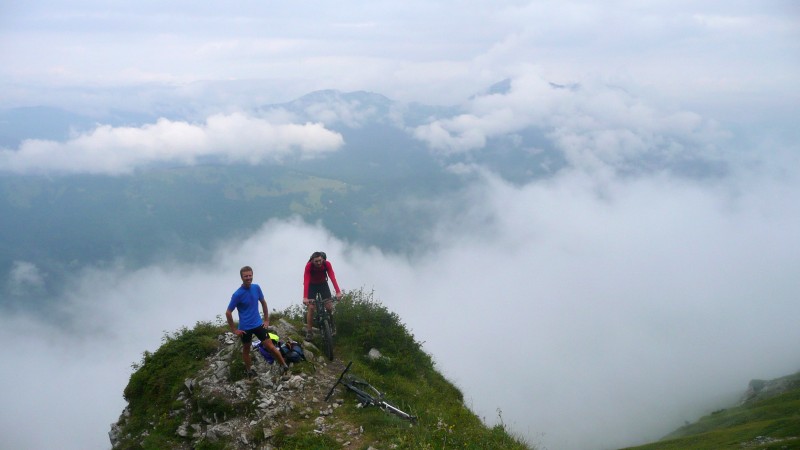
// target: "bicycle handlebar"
[[338, 381]]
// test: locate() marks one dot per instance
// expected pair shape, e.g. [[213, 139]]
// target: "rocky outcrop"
[[764, 389], [246, 413]]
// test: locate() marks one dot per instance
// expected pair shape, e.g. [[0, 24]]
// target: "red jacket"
[[317, 275]]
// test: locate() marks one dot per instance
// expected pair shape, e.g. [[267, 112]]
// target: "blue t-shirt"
[[246, 301]]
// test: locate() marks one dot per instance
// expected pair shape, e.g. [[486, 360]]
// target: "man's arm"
[[266, 314], [231, 325], [332, 276], [306, 281]]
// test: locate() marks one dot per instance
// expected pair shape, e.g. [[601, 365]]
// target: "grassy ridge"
[[153, 388], [406, 373], [762, 423]]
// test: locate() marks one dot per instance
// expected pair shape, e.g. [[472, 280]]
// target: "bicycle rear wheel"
[[327, 339]]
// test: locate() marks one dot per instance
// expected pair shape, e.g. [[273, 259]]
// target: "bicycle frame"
[[361, 388], [321, 313], [322, 319]]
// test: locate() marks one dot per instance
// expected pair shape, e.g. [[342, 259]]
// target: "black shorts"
[[322, 288], [259, 331]]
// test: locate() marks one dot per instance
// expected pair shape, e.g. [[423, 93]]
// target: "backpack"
[[292, 352], [264, 352], [267, 355]]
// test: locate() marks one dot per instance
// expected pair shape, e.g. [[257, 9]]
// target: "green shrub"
[[364, 323], [162, 373], [220, 406]]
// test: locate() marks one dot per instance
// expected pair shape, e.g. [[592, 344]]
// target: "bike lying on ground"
[[362, 390], [324, 322]]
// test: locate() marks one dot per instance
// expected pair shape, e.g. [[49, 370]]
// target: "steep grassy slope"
[[769, 421]]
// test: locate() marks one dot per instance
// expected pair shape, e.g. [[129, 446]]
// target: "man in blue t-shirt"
[[246, 300]]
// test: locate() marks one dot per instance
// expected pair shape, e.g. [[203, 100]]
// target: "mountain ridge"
[[766, 417], [192, 392]]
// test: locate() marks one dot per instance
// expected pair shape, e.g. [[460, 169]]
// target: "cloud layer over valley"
[[593, 313]]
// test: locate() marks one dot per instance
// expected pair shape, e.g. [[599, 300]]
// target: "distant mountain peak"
[[333, 95], [502, 87]]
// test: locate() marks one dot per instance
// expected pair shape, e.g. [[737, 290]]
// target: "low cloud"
[[336, 109], [595, 125], [611, 310], [25, 273], [226, 138]]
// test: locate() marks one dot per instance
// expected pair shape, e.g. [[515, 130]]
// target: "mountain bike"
[[324, 322], [364, 391]]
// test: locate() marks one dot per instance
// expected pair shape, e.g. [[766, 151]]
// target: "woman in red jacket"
[[315, 280]]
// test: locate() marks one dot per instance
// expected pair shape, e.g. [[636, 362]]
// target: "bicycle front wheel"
[[327, 339]]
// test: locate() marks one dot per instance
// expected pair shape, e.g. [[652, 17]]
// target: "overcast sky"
[[723, 52], [631, 303]]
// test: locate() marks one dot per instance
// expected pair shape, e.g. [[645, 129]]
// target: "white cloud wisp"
[[229, 138]]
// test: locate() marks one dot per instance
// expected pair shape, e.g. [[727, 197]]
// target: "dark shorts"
[[322, 288], [260, 332]]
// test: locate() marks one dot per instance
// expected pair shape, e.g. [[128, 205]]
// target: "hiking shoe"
[[252, 373], [284, 369], [309, 335]]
